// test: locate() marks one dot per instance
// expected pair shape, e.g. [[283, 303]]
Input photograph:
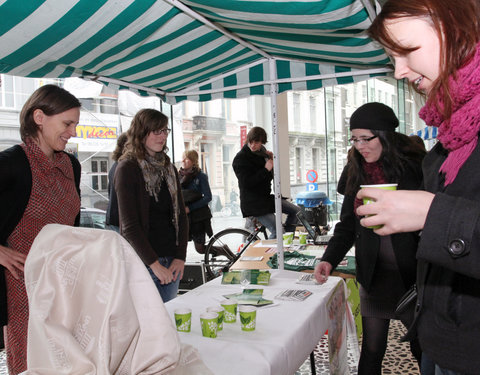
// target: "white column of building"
[[283, 145]]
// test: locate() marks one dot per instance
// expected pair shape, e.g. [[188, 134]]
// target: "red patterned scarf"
[[459, 133]]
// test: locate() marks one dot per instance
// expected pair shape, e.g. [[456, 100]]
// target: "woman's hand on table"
[[398, 211], [322, 271], [12, 260], [177, 268]]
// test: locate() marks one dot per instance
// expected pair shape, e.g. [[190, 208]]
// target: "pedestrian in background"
[[112, 220], [253, 166], [196, 194]]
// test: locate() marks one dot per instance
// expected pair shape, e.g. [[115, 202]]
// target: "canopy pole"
[[276, 162]]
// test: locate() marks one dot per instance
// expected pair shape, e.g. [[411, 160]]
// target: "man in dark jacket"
[[253, 166]]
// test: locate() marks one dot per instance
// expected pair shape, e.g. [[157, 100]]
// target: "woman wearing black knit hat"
[[385, 265]]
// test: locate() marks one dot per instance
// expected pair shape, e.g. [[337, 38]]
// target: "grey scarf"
[[154, 170]]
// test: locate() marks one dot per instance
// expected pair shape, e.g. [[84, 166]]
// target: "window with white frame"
[[99, 173]]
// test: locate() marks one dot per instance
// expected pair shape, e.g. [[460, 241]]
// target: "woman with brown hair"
[[436, 46], [385, 265], [197, 195], [150, 204], [111, 218], [39, 185]]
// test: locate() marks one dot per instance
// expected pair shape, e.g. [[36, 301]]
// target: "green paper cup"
[[230, 310], [287, 238], [219, 311], [248, 317], [302, 237], [367, 200], [183, 319], [209, 323]]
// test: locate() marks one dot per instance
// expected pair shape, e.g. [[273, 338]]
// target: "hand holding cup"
[[398, 211], [368, 200]]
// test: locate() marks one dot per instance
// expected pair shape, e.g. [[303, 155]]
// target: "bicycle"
[[227, 246]]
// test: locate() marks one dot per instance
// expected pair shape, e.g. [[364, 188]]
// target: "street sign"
[[312, 175], [243, 135], [312, 187]]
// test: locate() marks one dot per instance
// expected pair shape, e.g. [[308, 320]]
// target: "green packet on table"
[[257, 277], [249, 297]]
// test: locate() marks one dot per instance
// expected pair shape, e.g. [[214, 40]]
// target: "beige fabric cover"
[[95, 310]]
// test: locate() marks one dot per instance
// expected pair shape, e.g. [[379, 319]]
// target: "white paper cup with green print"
[[302, 238], [248, 317], [209, 323], [367, 200], [183, 319], [219, 310], [230, 310], [287, 238]]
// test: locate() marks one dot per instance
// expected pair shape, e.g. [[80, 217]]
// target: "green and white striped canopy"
[[196, 50]]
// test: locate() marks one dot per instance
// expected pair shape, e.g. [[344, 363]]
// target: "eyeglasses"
[[361, 141], [164, 131]]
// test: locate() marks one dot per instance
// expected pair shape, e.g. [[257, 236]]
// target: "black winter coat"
[[449, 266], [349, 232], [254, 182]]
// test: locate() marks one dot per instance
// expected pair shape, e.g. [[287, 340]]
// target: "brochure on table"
[[249, 297], [257, 277]]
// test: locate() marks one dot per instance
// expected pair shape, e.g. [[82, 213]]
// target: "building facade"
[[313, 125]]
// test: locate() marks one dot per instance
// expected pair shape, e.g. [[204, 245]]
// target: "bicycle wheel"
[[223, 248]]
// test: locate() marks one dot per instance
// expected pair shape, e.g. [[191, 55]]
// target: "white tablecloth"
[[284, 337]]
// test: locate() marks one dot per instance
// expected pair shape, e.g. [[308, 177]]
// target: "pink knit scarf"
[[459, 134]]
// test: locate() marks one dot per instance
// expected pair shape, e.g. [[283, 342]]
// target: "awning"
[[195, 50]]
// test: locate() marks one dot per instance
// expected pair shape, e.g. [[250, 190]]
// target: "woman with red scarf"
[[436, 46], [386, 265]]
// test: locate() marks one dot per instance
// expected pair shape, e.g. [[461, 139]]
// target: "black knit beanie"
[[374, 116]]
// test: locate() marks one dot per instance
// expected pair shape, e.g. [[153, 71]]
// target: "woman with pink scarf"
[[435, 46]]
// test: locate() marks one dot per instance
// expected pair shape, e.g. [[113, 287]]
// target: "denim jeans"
[[290, 210], [430, 368], [167, 291]]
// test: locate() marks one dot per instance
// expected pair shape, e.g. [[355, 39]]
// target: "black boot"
[[222, 250]]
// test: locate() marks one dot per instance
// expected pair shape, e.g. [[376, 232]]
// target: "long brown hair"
[[121, 140], [457, 24], [144, 122], [398, 150]]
